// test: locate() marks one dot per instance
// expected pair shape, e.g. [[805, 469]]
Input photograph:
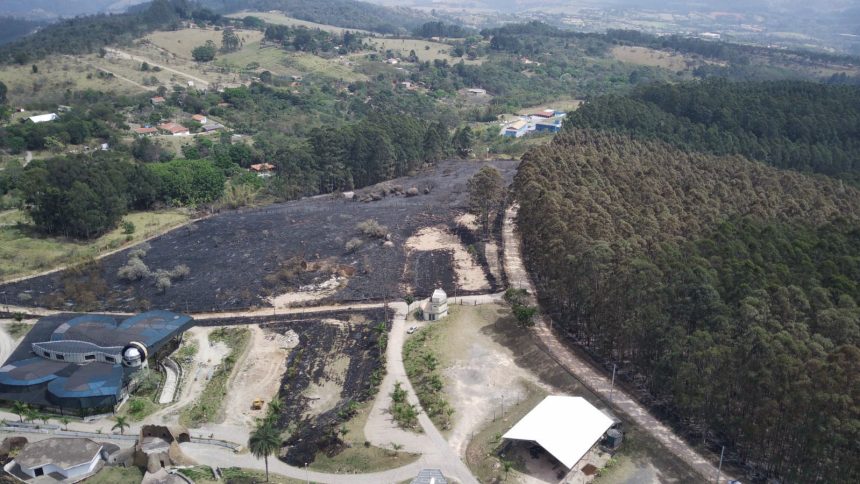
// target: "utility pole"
[[720, 468], [612, 385]]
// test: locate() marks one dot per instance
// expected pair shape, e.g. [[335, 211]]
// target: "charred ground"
[[238, 259]]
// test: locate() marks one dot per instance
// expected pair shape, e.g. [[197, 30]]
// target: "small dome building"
[[437, 307]]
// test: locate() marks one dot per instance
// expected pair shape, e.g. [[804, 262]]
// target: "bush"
[[162, 282], [353, 244], [180, 272], [372, 228], [134, 270], [128, 227]]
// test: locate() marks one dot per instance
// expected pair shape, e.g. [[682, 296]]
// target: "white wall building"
[[70, 458], [437, 307]]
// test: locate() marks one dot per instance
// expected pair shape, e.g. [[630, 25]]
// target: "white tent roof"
[[566, 427], [44, 118]]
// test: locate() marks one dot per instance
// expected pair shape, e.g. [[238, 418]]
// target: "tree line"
[[725, 290], [788, 124], [85, 196], [88, 34]]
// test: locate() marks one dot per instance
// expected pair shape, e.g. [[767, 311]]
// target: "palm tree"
[[65, 421], [121, 424], [507, 466], [31, 414], [396, 448], [263, 442], [274, 409], [20, 409]]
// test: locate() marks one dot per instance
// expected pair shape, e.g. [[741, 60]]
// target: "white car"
[[411, 329]]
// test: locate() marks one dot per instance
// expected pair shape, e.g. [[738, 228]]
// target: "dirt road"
[[124, 55], [594, 380]]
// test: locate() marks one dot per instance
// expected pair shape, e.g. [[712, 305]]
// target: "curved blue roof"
[[32, 371], [93, 380], [151, 328]]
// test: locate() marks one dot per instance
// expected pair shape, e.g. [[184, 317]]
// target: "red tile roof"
[[172, 127]]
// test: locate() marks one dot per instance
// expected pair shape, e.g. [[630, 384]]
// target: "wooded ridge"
[[724, 289]]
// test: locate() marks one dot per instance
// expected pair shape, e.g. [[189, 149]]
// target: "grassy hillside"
[[724, 289]]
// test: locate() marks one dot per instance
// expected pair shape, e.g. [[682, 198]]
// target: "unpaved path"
[[196, 375], [125, 55], [260, 375], [593, 379]]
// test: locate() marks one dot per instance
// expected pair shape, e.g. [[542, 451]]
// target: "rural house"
[[174, 129]]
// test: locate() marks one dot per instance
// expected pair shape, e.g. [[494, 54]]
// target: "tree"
[[463, 140], [20, 409], [486, 194], [395, 448], [229, 41], [263, 442], [3, 90], [65, 421], [121, 424], [204, 53], [525, 315], [31, 414]]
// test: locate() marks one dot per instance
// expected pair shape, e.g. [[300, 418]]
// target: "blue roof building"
[[86, 363]]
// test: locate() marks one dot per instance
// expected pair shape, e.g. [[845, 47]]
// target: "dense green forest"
[[85, 196], [13, 28], [342, 13], [81, 35], [798, 125], [724, 289]]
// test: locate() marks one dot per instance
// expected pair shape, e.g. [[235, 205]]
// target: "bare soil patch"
[[259, 375], [470, 275]]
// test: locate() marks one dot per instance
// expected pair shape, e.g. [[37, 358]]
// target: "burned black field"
[[360, 338], [239, 259]]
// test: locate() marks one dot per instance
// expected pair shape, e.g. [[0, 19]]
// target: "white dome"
[[131, 354]]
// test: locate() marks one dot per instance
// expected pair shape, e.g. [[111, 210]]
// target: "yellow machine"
[[257, 404]]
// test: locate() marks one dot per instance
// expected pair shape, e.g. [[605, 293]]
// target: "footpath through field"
[[593, 379], [125, 55]]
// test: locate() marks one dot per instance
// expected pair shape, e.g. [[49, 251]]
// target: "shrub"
[[128, 227], [353, 244], [180, 272], [162, 282], [372, 228], [133, 270]]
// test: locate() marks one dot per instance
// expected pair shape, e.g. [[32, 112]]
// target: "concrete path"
[[171, 380], [7, 344], [382, 431], [593, 379]]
